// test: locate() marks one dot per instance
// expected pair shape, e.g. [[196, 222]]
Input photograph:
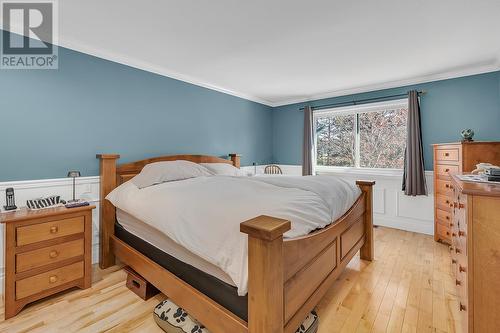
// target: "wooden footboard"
[[287, 278]]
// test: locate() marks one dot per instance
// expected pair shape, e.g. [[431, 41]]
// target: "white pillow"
[[161, 172], [223, 169]]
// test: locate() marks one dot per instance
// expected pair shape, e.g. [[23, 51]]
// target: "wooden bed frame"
[[286, 278]]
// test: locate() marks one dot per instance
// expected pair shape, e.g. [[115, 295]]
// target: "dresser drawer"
[[459, 249], [51, 279], [462, 203], [444, 202], [48, 255], [49, 230], [443, 232], [461, 284], [444, 170], [447, 155], [444, 217], [444, 187]]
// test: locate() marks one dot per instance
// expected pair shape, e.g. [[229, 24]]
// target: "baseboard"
[[419, 226]]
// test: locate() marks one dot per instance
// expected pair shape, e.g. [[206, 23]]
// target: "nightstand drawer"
[[49, 230], [48, 255], [48, 280]]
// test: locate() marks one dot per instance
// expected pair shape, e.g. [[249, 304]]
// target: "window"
[[362, 136]]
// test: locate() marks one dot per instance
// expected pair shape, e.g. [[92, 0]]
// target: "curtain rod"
[[360, 101]]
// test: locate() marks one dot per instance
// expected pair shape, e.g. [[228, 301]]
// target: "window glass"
[[335, 137], [366, 136], [382, 137]]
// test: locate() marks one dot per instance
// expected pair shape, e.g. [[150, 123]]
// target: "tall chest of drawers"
[[475, 254], [452, 158], [46, 251]]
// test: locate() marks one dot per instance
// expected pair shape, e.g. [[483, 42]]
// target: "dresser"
[[475, 254], [46, 251], [452, 158]]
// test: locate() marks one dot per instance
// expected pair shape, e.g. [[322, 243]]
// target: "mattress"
[[162, 242], [221, 292], [198, 220]]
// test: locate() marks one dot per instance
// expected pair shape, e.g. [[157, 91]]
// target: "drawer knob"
[[53, 254], [52, 278], [454, 205], [458, 282], [453, 261], [446, 170], [461, 233], [447, 233], [447, 185], [454, 234], [54, 229], [451, 225], [447, 201], [458, 251], [461, 269], [451, 248], [447, 217], [462, 307], [446, 154], [460, 205]]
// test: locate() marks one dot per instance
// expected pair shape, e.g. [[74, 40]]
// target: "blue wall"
[[56, 120], [448, 107]]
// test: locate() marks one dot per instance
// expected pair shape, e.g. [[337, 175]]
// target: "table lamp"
[[74, 174]]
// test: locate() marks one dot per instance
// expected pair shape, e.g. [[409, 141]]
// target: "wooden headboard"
[[112, 175]]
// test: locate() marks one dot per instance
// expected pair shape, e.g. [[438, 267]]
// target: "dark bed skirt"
[[221, 292]]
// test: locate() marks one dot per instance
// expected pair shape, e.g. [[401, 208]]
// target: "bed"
[[285, 278]]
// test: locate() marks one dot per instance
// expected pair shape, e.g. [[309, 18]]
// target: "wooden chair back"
[[273, 169]]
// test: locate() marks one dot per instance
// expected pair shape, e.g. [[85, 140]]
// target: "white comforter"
[[203, 214]]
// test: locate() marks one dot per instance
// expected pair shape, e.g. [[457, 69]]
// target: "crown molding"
[[482, 68], [485, 67], [148, 67], [80, 47]]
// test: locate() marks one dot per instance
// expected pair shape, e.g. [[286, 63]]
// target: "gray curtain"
[[414, 172], [308, 145]]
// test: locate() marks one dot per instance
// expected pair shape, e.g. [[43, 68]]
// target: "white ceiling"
[[282, 51]]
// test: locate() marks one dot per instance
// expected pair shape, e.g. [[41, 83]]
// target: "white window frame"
[[354, 110]]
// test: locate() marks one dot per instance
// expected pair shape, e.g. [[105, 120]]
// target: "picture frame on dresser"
[[449, 159]]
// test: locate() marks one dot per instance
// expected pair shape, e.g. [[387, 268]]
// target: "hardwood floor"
[[408, 288]]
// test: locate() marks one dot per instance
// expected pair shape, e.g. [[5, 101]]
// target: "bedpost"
[[265, 273], [107, 173], [367, 251], [236, 159]]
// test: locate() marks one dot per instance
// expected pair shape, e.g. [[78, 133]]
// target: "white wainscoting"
[[391, 208]]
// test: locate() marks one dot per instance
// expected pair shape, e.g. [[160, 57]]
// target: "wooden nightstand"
[[46, 251]]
